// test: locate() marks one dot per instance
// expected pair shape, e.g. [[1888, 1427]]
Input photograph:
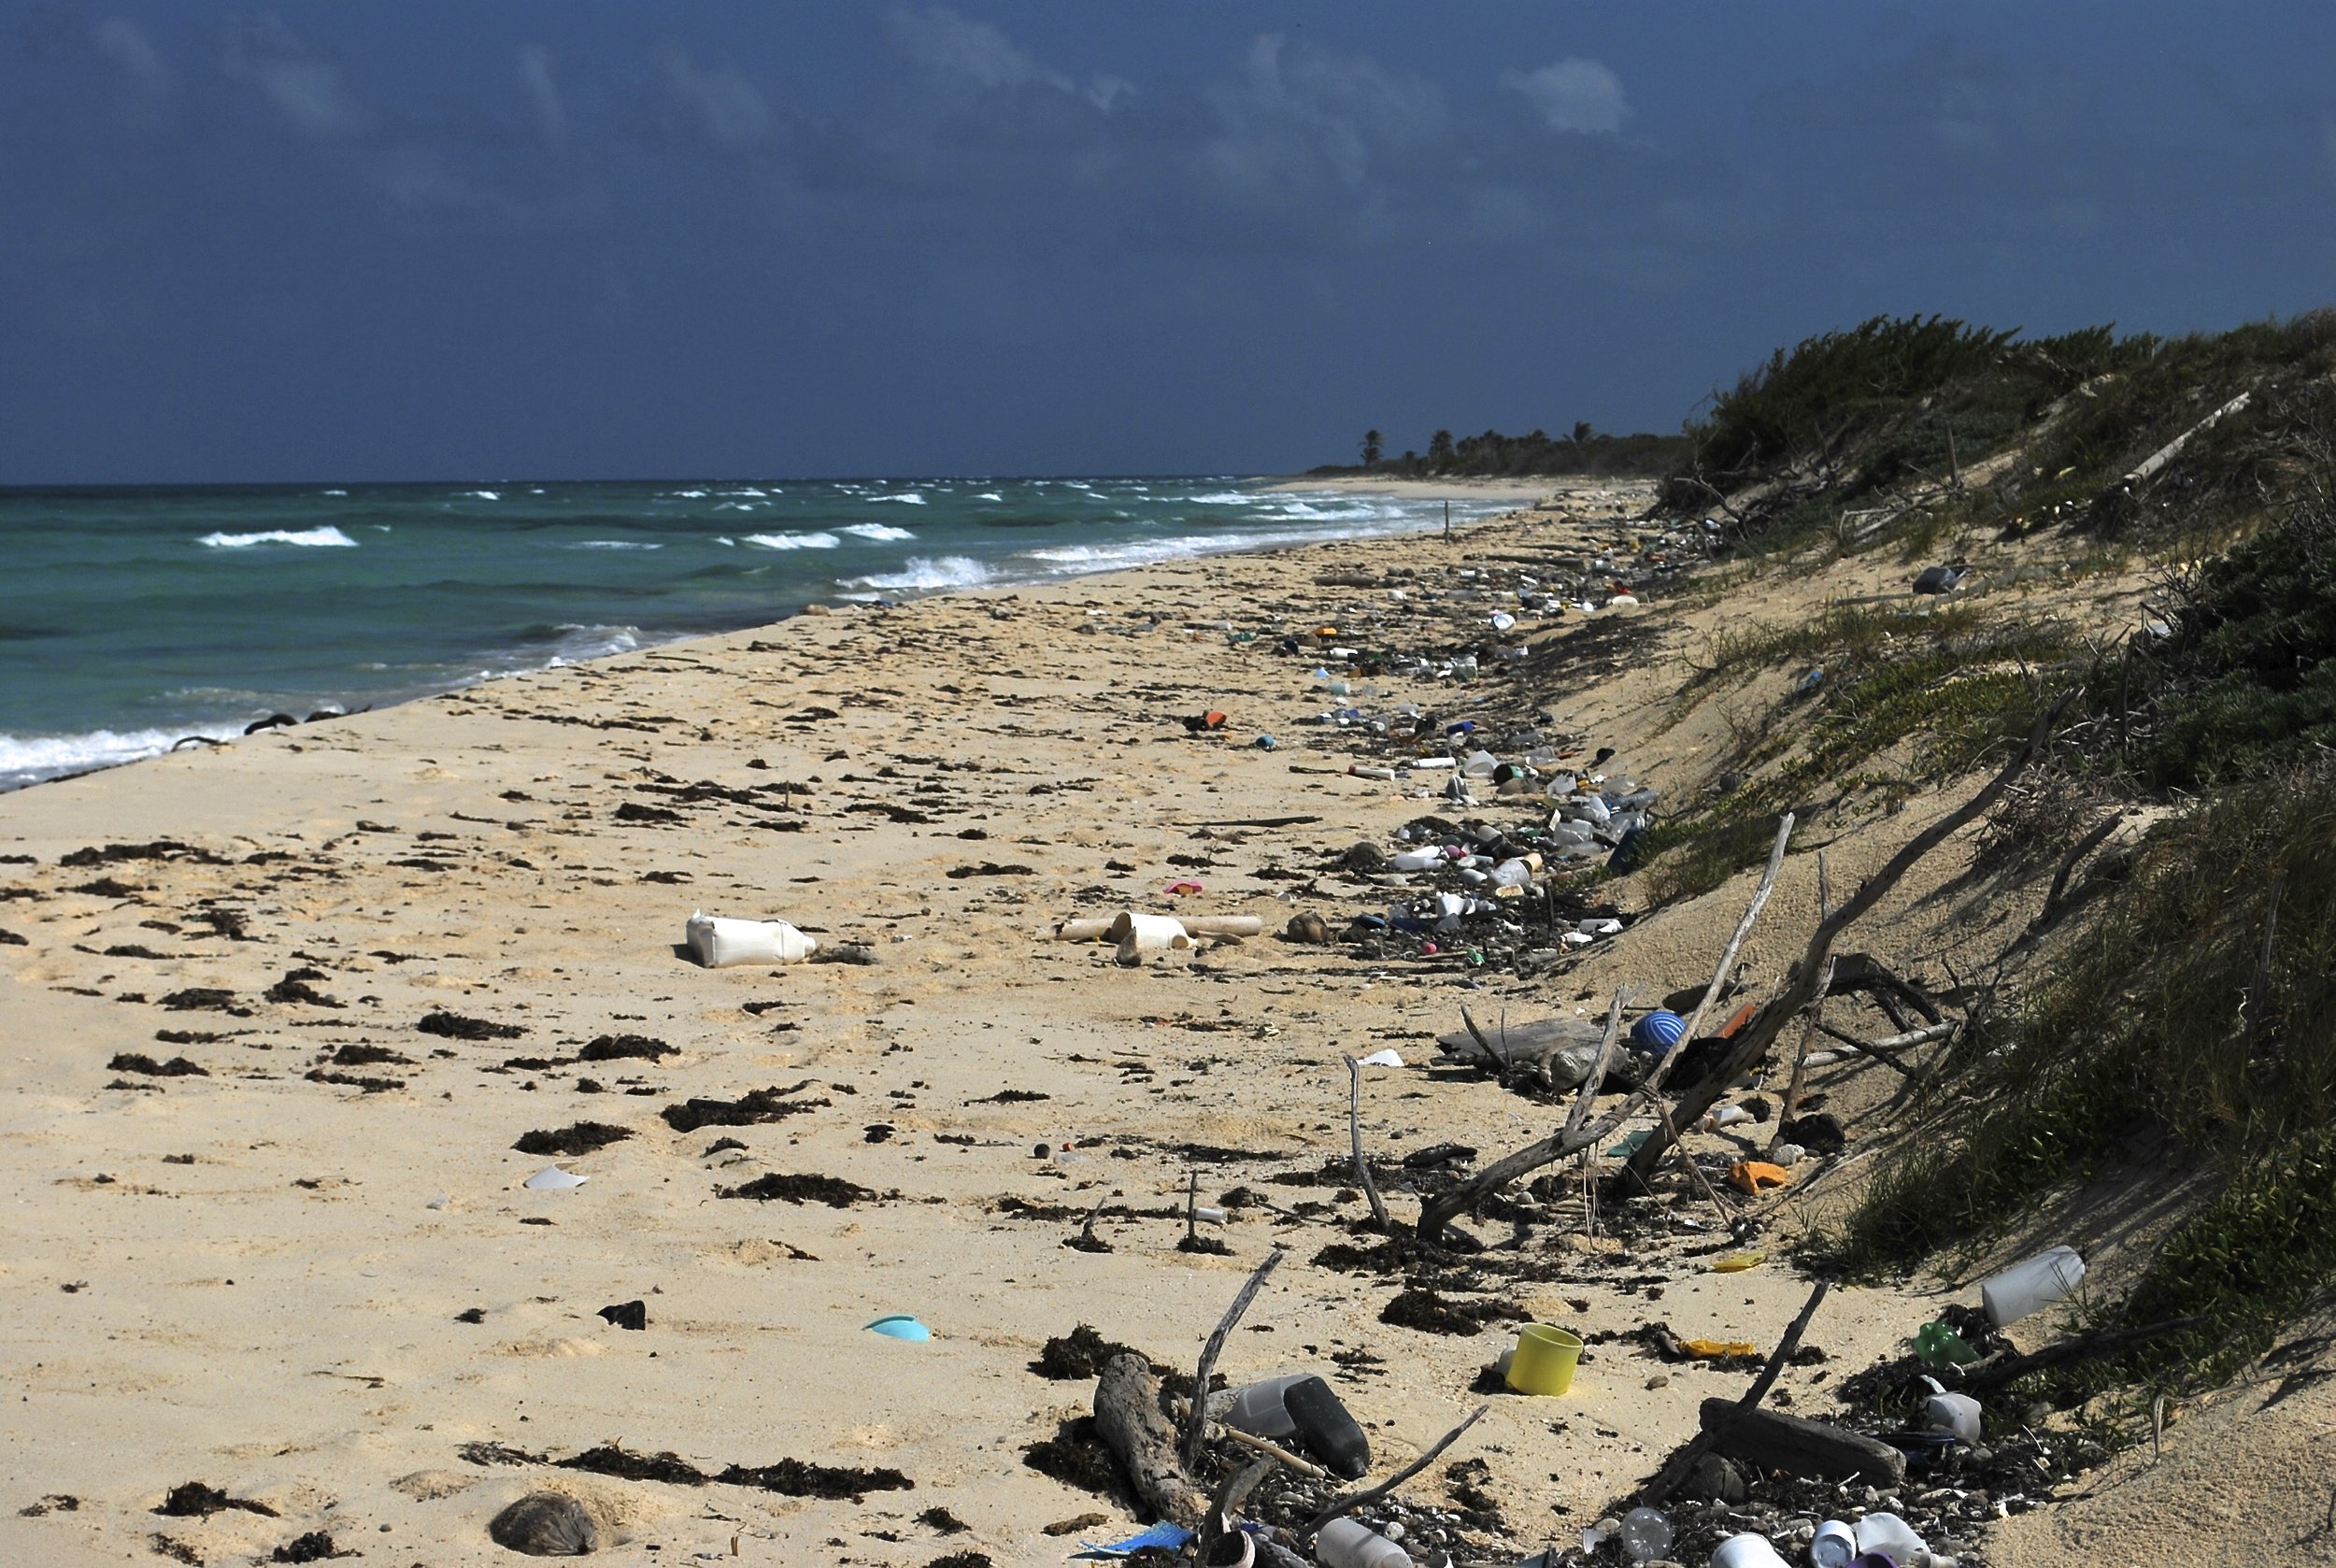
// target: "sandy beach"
[[303, 1268]]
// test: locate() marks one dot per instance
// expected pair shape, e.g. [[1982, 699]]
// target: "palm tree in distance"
[[1370, 449]]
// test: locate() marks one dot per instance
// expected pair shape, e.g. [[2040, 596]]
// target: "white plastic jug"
[[2031, 1286], [1345, 1543], [719, 943], [1256, 1407], [1955, 1413], [1894, 1536]]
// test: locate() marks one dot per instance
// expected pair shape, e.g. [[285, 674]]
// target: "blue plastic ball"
[[1659, 1030]]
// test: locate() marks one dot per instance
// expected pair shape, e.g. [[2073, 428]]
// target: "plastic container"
[[1511, 874], [1833, 1545], [1746, 1551], [1893, 1536], [1955, 1413], [1256, 1407], [1345, 1543], [1149, 934], [1646, 1534], [2031, 1286], [1543, 1360], [717, 943], [1936, 1345], [1416, 859], [1480, 764], [1324, 1428], [1588, 808]]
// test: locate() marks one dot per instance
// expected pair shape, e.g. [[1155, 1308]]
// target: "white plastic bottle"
[[1345, 1543], [2031, 1286]]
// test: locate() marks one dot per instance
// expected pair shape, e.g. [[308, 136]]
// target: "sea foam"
[[795, 541], [878, 531], [327, 536], [29, 758], [924, 572]]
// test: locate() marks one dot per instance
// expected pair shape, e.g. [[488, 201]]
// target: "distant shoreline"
[[1527, 488]]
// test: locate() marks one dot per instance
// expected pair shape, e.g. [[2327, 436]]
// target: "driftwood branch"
[[1196, 1426], [1880, 1051], [1683, 1465], [1727, 1215], [1437, 1212], [1272, 1450], [1344, 1506], [1864, 972], [1235, 1491], [1128, 1418], [1763, 1033], [1354, 1136], [1817, 1010], [1995, 1375], [1600, 1062], [1576, 1136]]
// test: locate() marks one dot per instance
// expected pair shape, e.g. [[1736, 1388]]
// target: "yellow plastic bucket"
[[1544, 1361]]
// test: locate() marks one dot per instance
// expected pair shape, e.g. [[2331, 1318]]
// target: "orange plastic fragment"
[[1757, 1175]]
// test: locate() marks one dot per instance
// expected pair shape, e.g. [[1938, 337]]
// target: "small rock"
[[1714, 1480], [546, 1524]]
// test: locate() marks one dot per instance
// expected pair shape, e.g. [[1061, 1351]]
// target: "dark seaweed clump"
[[581, 1138]]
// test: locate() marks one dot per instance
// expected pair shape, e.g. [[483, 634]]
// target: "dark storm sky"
[[569, 239]]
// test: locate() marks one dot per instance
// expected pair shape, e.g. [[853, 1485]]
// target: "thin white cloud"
[[1574, 95], [725, 103], [125, 43], [948, 44], [543, 95], [305, 88], [978, 54]]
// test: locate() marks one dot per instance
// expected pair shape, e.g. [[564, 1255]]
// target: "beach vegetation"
[[2180, 1038]]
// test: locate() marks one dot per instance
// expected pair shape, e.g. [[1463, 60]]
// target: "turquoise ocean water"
[[131, 617]]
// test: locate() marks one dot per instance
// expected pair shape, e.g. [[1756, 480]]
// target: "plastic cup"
[[1545, 1360], [1746, 1551]]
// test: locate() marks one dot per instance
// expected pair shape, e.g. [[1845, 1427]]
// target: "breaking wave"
[[326, 537]]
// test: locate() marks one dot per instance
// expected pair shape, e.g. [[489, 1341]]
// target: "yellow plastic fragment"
[[1719, 1349]]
